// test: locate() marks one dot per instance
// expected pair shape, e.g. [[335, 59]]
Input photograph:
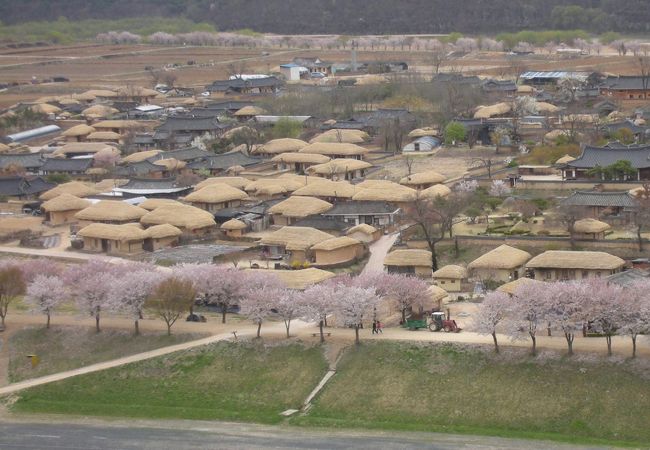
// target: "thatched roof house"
[[556, 265], [364, 233], [152, 203], [78, 131], [298, 161], [437, 190], [170, 164], [140, 156], [341, 136], [335, 150], [190, 220], [450, 277], [297, 207], [279, 146], [249, 111], [503, 263], [328, 189], [236, 182], [214, 197], [76, 188], [121, 239], [84, 148], [234, 228], [564, 160], [423, 180], [296, 241], [341, 167], [111, 212], [498, 109], [380, 190], [265, 188], [421, 132], [337, 251], [409, 261], [512, 287], [104, 136], [590, 229], [61, 209], [161, 236]]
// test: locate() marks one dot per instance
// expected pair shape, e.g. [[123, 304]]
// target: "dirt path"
[[378, 251]]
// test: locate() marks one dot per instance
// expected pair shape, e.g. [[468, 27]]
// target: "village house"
[[78, 133], [224, 163], [292, 244], [152, 203], [422, 144], [341, 136], [30, 163], [279, 146], [288, 211], [563, 265], [335, 227], [23, 188], [624, 87], [152, 188], [109, 212], [248, 113], [62, 209], [422, 180], [340, 169], [616, 207], [262, 85], [386, 191], [410, 262], [328, 190], [121, 127], [379, 214], [214, 197], [83, 149], [337, 251], [450, 278], [193, 222], [590, 229], [364, 233], [126, 239], [502, 264], [601, 157], [161, 236], [74, 168], [298, 162], [233, 228], [511, 287], [76, 188], [300, 279], [335, 150]]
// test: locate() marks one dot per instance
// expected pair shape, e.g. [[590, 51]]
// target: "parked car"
[[196, 318]]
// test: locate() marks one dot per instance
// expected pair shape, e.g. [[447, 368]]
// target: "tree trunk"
[[356, 334], [169, 329], [259, 329], [608, 338], [2, 320], [137, 327], [634, 346], [325, 321], [403, 315], [548, 329], [223, 313], [496, 343], [48, 321], [97, 323], [569, 341], [287, 324], [322, 335], [534, 349]]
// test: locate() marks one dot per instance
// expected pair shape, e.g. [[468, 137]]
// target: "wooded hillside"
[[355, 16]]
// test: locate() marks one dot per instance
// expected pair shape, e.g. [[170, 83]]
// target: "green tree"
[[286, 128], [172, 298], [12, 285], [455, 132]]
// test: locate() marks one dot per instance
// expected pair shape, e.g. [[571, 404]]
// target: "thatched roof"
[[233, 224], [107, 184], [567, 259], [296, 238], [334, 149], [344, 136], [512, 286], [104, 136], [163, 231], [362, 228], [499, 109], [590, 226], [170, 163], [66, 101], [44, 108], [234, 131], [78, 130], [236, 169], [502, 257], [216, 193], [76, 188], [181, 216], [65, 202], [437, 190], [274, 186], [136, 91], [451, 272], [339, 166], [104, 124], [236, 182], [544, 107], [94, 93], [284, 145], [126, 232], [409, 257], [300, 279], [327, 188], [250, 111], [111, 210], [140, 156], [428, 177], [4, 148], [384, 191], [565, 159], [336, 243], [421, 132], [84, 147], [99, 111], [298, 206], [152, 203], [304, 158], [437, 293]]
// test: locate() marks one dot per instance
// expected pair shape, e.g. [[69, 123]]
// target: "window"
[[442, 282], [585, 274], [547, 274], [598, 274]]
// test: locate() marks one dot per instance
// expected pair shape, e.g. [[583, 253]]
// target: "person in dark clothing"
[[374, 327], [379, 327]]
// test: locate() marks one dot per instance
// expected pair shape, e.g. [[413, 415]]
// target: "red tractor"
[[439, 322]]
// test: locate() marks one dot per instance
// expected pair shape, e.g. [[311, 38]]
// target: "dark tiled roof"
[[183, 154], [22, 186], [148, 183], [603, 157], [624, 83], [323, 223], [616, 126], [499, 86], [139, 168], [239, 84], [601, 199], [141, 139], [24, 160], [190, 123], [224, 161], [67, 165], [233, 106], [628, 277], [361, 208]]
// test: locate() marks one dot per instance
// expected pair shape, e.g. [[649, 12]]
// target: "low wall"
[[571, 185]]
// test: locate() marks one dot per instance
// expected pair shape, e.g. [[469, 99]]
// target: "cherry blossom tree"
[[45, 293], [260, 296], [636, 315], [467, 186], [492, 312], [318, 302], [606, 308], [528, 312], [130, 291], [286, 306], [353, 305], [499, 188], [566, 303], [162, 38], [406, 292], [220, 286], [32, 268], [12, 285]]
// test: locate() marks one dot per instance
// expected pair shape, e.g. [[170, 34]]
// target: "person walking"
[[374, 327], [379, 327]]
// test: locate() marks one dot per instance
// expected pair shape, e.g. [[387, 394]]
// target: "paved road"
[[215, 435], [378, 251]]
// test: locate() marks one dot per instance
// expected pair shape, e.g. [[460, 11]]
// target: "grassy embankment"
[[382, 385]]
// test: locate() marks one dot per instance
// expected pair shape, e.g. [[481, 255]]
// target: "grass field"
[[448, 388], [65, 348], [244, 382]]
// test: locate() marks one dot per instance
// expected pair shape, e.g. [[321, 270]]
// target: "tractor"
[[439, 322]]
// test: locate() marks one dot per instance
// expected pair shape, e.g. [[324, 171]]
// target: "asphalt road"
[[209, 435]]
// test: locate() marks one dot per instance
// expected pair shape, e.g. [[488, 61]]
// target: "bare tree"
[[642, 214], [172, 298], [643, 63], [569, 215]]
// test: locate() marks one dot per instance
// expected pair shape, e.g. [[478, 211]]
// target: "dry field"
[[97, 65]]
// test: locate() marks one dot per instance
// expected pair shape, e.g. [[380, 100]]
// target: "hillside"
[[356, 16]]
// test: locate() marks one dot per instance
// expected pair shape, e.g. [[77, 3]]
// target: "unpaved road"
[[181, 435], [378, 251]]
